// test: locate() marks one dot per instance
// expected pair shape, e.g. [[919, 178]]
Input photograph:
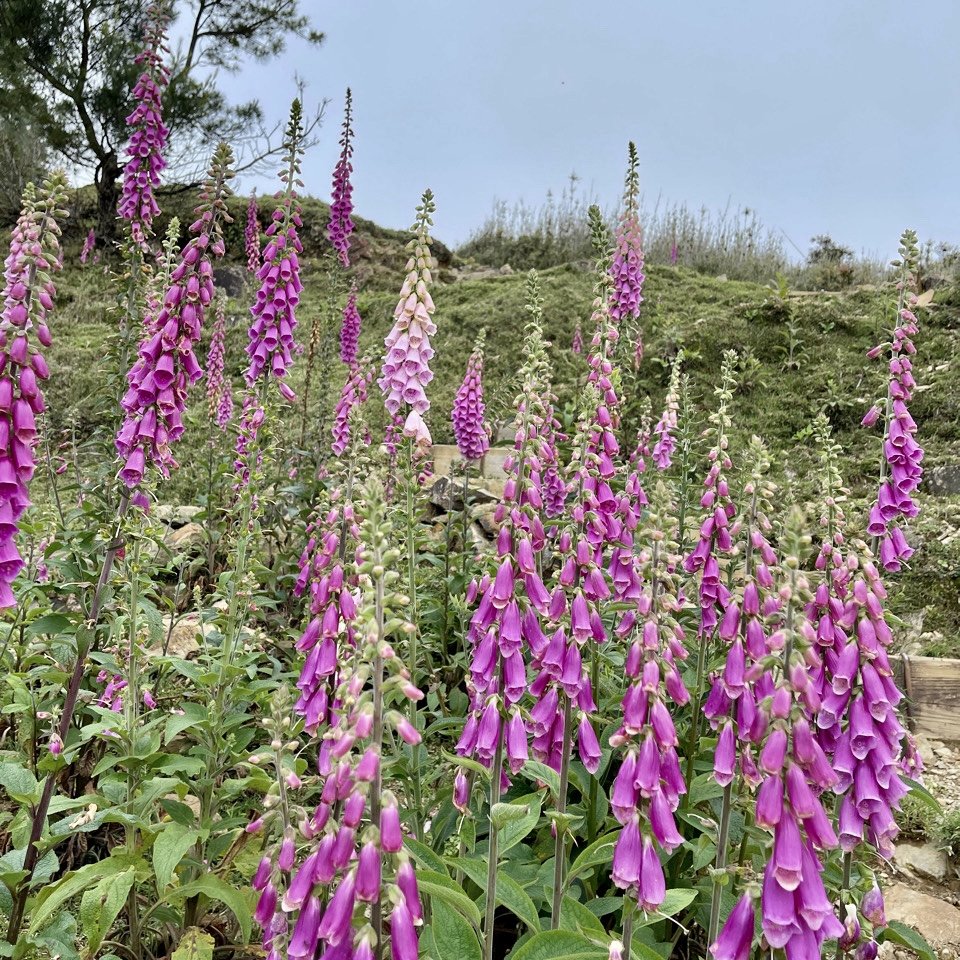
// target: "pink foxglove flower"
[[627, 266], [217, 385], [714, 536], [251, 235], [406, 365], [141, 176], [167, 364], [89, 245], [667, 424], [352, 396], [341, 226], [469, 428], [577, 345], [28, 294]]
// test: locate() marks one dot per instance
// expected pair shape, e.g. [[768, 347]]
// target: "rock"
[[493, 462], [175, 516], [506, 270], [188, 537], [924, 861], [928, 748], [945, 753], [942, 481], [231, 280], [446, 459], [484, 517], [506, 432], [937, 921], [184, 637]]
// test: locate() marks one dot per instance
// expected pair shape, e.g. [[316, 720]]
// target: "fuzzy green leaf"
[[453, 936], [194, 945], [215, 888], [173, 841], [101, 905], [900, 933]]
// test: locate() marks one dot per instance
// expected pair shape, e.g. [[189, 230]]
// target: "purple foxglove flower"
[[368, 873], [403, 934], [627, 267], [787, 854], [872, 907], [391, 836], [577, 345], [350, 328], [663, 449], [627, 855], [652, 888], [167, 365], [271, 334], [335, 925], [251, 235], [471, 432], [89, 244], [724, 758], [352, 396], [141, 176], [407, 882], [735, 941], [27, 299], [219, 408], [306, 932], [588, 746], [341, 226]]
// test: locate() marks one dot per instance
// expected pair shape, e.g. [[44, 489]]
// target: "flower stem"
[[627, 926], [414, 636], [561, 846], [495, 774], [723, 837], [377, 786]]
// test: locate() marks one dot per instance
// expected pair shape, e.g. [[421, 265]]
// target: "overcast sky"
[[837, 116]]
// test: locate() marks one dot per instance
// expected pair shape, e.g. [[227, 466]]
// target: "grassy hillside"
[[777, 398]]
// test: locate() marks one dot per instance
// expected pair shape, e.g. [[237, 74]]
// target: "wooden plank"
[[933, 687]]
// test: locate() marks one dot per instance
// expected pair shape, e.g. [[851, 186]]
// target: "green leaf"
[[600, 851], [504, 813], [467, 764], [194, 945], [453, 937], [541, 773], [20, 784], [51, 623], [54, 896], [173, 841], [576, 917], [193, 713], [213, 887], [440, 887], [517, 829], [423, 854], [900, 933], [559, 945], [101, 906], [677, 899], [509, 892], [704, 788], [923, 794]]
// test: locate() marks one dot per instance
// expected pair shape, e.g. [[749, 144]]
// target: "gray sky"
[[837, 116]]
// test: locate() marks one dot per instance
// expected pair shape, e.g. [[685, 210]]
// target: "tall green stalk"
[[561, 844]]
